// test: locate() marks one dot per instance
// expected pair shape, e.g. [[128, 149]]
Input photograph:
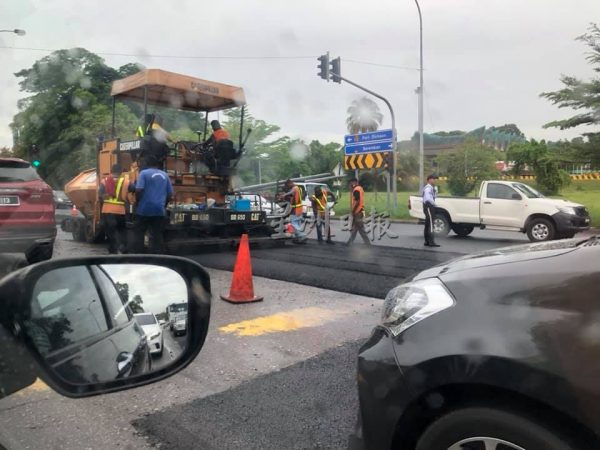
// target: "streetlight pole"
[[421, 151], [16, 31]]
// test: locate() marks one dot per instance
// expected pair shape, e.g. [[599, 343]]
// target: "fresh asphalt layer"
[[362, 270]]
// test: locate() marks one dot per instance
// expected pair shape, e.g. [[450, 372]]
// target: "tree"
[[578, 94], [509, 128], [467, 166], [136, 304], [284, 158], [123, 290], [545, 165], [363, 116], [324, 157], [6, 152], [67, 110]]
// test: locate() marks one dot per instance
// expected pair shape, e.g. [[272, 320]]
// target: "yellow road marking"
[[37, 386], [282, 322]]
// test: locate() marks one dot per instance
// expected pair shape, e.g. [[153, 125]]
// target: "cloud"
[[485, 62]]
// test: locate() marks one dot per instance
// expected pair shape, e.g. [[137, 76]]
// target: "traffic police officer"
[[429, 195]]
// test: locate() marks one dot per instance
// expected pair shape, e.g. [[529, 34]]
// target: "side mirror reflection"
[[98, 323], [101, 324]]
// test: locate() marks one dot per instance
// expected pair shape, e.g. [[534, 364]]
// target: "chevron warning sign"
[[367, 160]]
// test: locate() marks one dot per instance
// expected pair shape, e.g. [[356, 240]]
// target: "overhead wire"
[[218, 57]]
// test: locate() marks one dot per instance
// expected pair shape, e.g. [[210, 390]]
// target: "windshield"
[[145, 319], [173, 149], [527, 190], [17, 171]]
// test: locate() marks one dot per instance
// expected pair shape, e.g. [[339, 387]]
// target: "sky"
[[158, 286], [485, 61]]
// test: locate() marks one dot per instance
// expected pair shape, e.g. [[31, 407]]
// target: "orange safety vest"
[[297, 201], [361, 200], [115, 204], [322, 202], [220, 134]]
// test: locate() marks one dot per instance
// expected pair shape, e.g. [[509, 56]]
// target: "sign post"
[[369, 151]]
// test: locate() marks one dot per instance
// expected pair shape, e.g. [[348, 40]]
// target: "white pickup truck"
[[508, 206]]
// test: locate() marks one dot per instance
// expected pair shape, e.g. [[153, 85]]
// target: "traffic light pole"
[[394, 143]]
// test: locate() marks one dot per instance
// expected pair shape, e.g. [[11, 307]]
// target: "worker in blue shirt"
[[429, 210], [153, 192]]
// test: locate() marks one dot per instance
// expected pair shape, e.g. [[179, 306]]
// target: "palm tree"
[[363, 116]]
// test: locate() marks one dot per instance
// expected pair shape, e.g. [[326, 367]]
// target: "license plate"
[[9, 200]]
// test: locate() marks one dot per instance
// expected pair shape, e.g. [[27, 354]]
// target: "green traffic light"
[[36, 163]]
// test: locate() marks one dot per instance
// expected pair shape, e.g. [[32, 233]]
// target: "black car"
[[497, 350]]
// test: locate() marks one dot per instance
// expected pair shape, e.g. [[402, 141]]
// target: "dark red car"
[[27, 223]]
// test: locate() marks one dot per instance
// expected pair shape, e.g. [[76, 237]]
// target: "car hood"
[[149, 330], [526, 252], [556, 202]]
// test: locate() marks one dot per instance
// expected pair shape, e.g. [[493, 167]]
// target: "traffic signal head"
[[34, 156], [336, 70], [323, 66], [388, 162]]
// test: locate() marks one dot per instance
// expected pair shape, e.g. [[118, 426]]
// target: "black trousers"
[[154, 225], [429, 211], [114, 227]]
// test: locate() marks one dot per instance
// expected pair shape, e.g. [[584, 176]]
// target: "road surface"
[[275, 374]]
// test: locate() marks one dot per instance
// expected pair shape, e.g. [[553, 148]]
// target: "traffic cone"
[[242, 288]]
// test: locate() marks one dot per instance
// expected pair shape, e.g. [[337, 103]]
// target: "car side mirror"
[[89, 326], [516, 196]]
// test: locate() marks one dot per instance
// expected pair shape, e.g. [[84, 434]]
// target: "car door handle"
[[487, 203]]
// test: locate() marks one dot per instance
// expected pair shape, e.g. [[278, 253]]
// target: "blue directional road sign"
[[372, 142]]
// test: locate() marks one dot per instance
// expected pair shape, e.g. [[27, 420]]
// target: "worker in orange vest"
[[111, 192], [321, 212], [219, 133], [294, 196], [357, 205]]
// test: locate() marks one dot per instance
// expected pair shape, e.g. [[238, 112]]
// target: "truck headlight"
[[155, 335], [567, 210], [410, 303]]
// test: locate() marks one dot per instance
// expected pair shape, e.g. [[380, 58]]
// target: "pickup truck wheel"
[[463, 230], [441, 224], [540, 230]]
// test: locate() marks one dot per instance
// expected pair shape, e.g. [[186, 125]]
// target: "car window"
[[17, 171], [66, 309], [145, 319], [527, 190], [500, 191], [119, 312]]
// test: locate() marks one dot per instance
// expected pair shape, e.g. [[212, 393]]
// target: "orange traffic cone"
[[242, 288]]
